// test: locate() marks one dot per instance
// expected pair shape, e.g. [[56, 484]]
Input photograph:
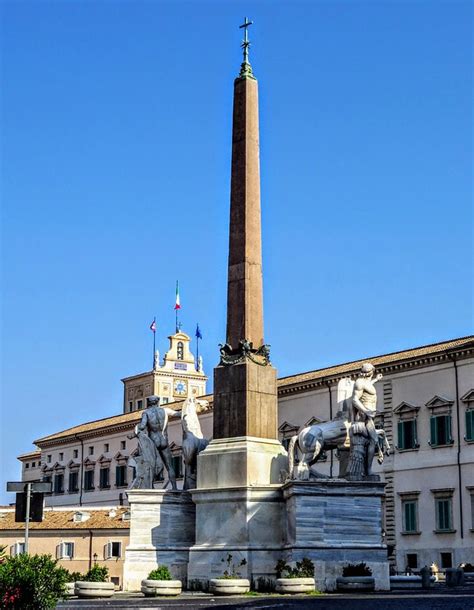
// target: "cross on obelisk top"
[[245, 69]]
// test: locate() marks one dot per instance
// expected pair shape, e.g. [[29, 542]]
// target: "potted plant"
[[95, 583], [160, 582], [298, 578], [356, 577], [230, 583]]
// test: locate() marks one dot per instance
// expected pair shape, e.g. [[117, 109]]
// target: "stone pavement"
[[442, 600]]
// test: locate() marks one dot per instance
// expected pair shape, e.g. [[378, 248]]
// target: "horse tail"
[[291, 455]]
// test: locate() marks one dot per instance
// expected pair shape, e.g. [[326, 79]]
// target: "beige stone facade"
[[426, 397]]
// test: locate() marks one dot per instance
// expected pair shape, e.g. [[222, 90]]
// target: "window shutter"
[[401, 440], [117, 476], [415, 434], [469, 425], [59, 550], [449, 438], [434, 431], [13, 549], [107, 551]]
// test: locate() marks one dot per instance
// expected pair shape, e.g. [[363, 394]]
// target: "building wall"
[[86, 545]]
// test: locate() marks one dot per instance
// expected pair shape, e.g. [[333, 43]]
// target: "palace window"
[[27, 465], [123, 444], [130, 405], [180, 350], [470, 425], [139, 404], [440, 421], [48, 459], [410, 516], [106, 447], [440, 426], [113, 550], [412, 561], [33, 464], [407, 426], [65, 550], [58, 483], [75, 453], [104, 478], [121, 475], [88, 480], [73, 482], [61, 457], [91, 450], [446, 560], [443, 510], [17, 549], [468, 400]]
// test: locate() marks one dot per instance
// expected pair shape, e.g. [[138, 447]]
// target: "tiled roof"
[[64, 519], [36, 453], [129, 420], [386, 359]]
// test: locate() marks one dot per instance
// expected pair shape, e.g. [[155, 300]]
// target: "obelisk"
[[245, 397]]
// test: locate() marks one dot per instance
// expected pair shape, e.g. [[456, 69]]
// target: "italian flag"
[[177, 304]]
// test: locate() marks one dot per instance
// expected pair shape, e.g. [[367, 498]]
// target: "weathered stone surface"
[[161, 531], [244, 292], [242, 461], [245, 401], [333, 523]]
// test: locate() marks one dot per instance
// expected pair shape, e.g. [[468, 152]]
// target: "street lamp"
[[95, 558]]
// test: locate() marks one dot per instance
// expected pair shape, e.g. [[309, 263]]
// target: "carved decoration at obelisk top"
[[244, 400]]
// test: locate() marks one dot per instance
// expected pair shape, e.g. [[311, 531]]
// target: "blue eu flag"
[[198, 332]]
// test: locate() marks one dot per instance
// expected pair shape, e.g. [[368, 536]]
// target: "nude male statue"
[[364, 403], [155, 423]]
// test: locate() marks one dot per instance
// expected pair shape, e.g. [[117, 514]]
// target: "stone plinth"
[[247, 522], [245, 401], [240, 462], [239, 508], [334, 523], [162, 525]]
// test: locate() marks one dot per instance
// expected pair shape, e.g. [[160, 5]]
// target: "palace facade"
[[425, 404]]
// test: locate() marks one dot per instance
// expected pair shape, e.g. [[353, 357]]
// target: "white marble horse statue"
[[312, 440], [193, 440]]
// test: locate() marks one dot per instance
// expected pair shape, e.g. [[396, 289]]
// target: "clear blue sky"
[[115, 182]]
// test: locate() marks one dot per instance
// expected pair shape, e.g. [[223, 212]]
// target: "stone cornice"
[[384, 368]]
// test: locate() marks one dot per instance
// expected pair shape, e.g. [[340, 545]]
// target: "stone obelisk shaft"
[[245, 399], [244, 292]]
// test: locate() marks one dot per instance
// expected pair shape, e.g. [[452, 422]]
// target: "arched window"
[[180, 350]]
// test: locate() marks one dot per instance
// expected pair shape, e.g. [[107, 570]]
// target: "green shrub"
[[31, 582], [356, 569], [160, 573], [97, 574], [73, 576], [302, 569]]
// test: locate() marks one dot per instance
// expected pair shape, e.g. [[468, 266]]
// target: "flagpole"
[[154, 344], [197, 352]]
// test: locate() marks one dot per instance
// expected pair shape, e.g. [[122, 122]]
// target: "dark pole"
[[154, 340], [197, 352]]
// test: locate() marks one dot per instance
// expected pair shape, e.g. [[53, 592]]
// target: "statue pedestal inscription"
[[333, 523], [161, 532]]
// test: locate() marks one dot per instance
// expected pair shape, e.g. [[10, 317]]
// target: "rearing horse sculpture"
[[193, 440]]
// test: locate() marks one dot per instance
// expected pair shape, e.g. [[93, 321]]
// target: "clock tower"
[[176, 377]]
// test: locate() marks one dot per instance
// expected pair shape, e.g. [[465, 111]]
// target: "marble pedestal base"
[[239, 509], [335, 522], [161, 532]]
